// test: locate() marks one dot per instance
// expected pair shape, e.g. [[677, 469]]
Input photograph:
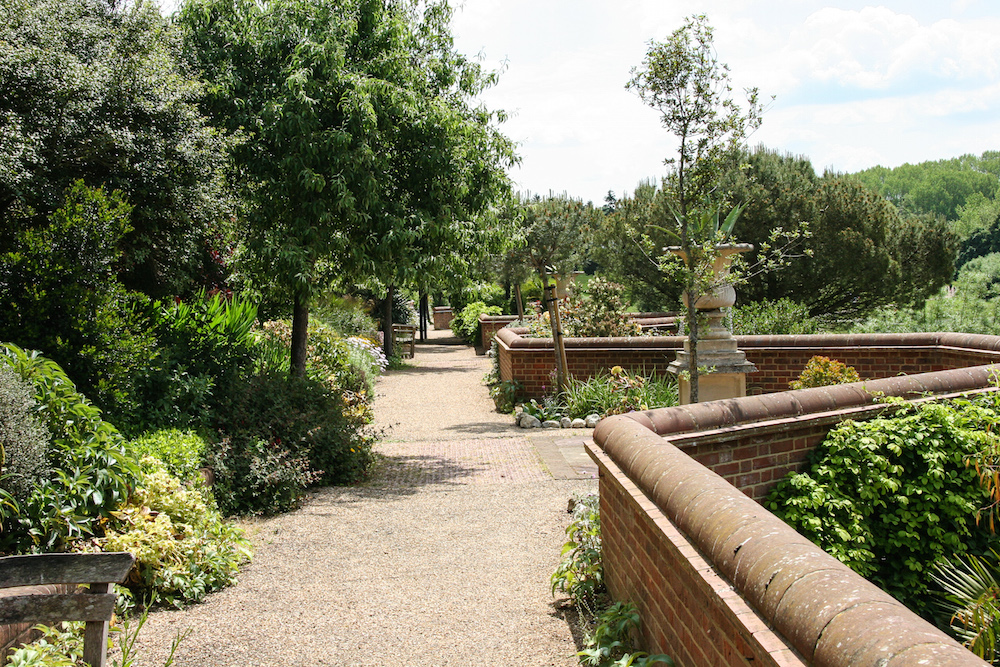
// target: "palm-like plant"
[[971, 597]]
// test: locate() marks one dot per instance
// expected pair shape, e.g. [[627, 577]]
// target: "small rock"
[[566, 422], [551, 423], [579, 423], [592, 420], [529, 421]]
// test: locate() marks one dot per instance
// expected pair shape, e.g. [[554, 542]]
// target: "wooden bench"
[[94, 606], [404, 335]]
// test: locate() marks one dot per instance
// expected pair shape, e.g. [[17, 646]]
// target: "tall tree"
[[96, 94], [684, 81], [361, 149]]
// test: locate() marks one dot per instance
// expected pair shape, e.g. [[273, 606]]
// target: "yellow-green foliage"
[[822, 371], [183, 548]]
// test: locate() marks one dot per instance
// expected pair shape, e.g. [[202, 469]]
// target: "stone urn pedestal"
[[723, 366]]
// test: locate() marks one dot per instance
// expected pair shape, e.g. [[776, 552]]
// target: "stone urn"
[[716, 345]]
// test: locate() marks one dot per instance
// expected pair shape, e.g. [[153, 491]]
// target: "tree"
[[861, 252], [683, 80], [361, 153], [94, 93]]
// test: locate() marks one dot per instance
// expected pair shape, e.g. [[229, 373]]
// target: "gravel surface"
[[443, 558]]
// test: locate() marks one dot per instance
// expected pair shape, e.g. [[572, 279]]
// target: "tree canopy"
[[360, 149], [94, 93]]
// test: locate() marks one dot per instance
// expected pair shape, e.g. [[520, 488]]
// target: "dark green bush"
[[772, 318], [289, 432], [207, 346], [891, 496], [347, 317], [24, 440], [91, 471], [61, 296]]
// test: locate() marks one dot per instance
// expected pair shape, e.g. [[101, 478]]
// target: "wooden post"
[[95, 637], [552, 303]]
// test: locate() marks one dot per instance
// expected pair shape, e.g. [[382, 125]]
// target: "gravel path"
[[443, 558]]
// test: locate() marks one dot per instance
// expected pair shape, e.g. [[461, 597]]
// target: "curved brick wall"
[[719, 579]]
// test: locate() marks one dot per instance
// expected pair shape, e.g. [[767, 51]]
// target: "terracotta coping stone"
[[807, 595]]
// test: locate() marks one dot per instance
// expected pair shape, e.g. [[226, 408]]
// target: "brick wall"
[[717, 578], [442, 317], [489, 325], [779, 359]]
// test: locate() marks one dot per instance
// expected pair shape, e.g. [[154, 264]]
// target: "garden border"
[[720, 580]]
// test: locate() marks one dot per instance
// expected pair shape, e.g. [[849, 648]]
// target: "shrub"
[[181, 453], [580, 574], [24, 440], [822, 371], [347, 317], [208, 345], [599, 312], [619, 392], [91, 471], [772, 318], [291, 432], [183, 548], [61, 295], [891, 496], [465, 325]]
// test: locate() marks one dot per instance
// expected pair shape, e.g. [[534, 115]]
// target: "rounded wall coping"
[[799, 402], [971, 342], [805, 591], [483, 317]]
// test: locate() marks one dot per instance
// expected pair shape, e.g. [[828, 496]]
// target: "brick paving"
[[442, 558]]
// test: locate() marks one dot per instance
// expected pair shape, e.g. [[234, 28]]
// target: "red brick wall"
[[489, 325], [442, 317], [718, 579], [779, 359], [651, 563]]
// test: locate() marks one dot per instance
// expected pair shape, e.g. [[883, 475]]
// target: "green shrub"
[[580, 574], [183, 548], [506, 394], [772, 318], [24, 440], [347, 317], [291, 432], [61, 296], [91, 471], [891, 496], [465, 325], [180, 452], [619, 392], [822, 371], [598, 312], [208, 346], [613, 642]]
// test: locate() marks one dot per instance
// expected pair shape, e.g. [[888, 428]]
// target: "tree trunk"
[[387, 322], [425, 314], [520, 302], [300, 336]]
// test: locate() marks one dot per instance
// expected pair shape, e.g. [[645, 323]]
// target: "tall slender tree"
[[684, 81]]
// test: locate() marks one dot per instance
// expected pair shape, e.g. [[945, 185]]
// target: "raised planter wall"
[[718, 579], [489, 325], [442, 317], [779, 359]]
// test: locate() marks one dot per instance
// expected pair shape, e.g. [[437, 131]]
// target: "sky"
[[855, 85]]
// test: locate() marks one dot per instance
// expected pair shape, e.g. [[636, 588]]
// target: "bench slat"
[[40, 569], [54, 608]]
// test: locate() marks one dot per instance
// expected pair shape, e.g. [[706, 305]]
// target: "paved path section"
[[442, 558]]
